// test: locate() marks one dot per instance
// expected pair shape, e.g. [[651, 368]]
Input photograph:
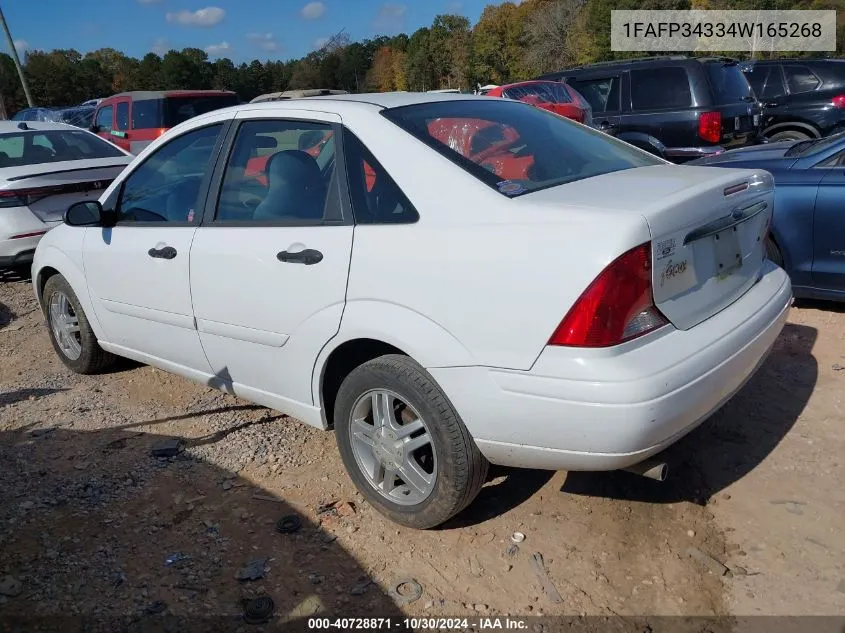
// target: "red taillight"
[[710, 126], [31, 195], [838, 101], [617, 307], [23, 235]]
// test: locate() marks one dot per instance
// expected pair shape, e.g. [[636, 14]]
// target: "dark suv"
[[677, 107], [802, 98]]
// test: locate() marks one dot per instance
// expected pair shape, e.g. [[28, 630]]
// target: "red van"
[[132, 120]]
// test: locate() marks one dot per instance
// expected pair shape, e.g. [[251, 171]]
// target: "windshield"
[[550, 92], [812, 146], [515, 148], [52, 146], [729, 84]]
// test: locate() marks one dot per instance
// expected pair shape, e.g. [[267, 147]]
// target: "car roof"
[[145, 95], [8, 127], [395, 99]]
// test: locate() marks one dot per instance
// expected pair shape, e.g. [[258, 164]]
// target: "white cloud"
[[160, 46], [219, 50], [312, 10], [201, 17], [390, 18], [264, 41], [21, 46], [320, 42]]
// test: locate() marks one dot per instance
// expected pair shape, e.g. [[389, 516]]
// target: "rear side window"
[[766, 81], [660, 88], [601, 94], [801, 79], [146, 115], [179, 109], [513, 148], [728, 83], [376, 198], [123, 115]]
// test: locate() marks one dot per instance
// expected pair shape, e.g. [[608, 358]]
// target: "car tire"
[[78, 350], [410, 397], [789, 135], [773, 252]]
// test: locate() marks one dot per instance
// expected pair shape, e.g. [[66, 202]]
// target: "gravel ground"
[[93, 525]]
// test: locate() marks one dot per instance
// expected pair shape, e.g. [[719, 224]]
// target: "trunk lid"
[[49, 189], [707, 226]]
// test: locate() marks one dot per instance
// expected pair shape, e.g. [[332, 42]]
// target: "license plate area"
[[728, 251]]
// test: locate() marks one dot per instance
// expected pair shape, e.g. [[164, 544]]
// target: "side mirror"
[[88, 213]]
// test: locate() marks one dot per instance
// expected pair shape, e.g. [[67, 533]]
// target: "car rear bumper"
[[608, 409]]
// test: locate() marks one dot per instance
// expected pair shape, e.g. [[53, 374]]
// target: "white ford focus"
[[447, 281]]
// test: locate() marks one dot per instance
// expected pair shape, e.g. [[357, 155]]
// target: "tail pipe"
[[651, 468]]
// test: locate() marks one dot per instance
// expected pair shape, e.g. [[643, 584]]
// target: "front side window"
[[123, 116], [514, 148], [660, 88], [280, 171], [766, 81], [801, 79], [166, 186], [601, 94], [104, 119], [376, 198]]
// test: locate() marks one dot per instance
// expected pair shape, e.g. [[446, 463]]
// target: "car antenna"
[[23, 126]]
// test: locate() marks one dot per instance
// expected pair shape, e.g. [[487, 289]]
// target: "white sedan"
[[447, 281], [44, 167]]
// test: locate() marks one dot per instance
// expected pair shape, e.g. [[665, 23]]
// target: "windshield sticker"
[[510, 188]]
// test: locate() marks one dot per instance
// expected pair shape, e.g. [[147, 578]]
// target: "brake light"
[[617, 307], [838, 101], [23, 235], [710, 126], [25, 197]]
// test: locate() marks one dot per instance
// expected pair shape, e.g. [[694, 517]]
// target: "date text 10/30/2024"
[[435, 624]]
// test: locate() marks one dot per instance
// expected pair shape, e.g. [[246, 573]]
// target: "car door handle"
[[308, 257], [168, 252]]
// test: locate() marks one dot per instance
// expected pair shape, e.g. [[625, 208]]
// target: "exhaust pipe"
[[651, 468]]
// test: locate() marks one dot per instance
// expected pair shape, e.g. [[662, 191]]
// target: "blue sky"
[[240, 29]]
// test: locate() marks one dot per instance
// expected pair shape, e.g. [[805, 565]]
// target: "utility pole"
[[17, 61]]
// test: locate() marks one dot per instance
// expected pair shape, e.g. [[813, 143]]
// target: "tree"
[[449, 48]]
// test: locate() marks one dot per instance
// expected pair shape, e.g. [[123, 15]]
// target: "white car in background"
[[446, 280], [45, 167]]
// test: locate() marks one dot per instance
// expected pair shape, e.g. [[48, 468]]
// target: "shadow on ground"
[[734, 441], [102, 535]]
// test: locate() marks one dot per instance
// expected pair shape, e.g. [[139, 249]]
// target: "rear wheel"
[[70, 333], [773, 252], [789, 135], [404, 445]]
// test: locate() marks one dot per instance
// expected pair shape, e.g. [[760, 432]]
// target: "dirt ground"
[[89, 518]]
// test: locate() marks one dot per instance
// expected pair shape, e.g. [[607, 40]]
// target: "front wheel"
[[773, 252], [789, 135], [70, 333], [404, 445]]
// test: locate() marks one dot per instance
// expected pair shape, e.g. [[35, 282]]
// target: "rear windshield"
[[551, 92], [171, 111], [515, 148], [52, 146], [729, 84]]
